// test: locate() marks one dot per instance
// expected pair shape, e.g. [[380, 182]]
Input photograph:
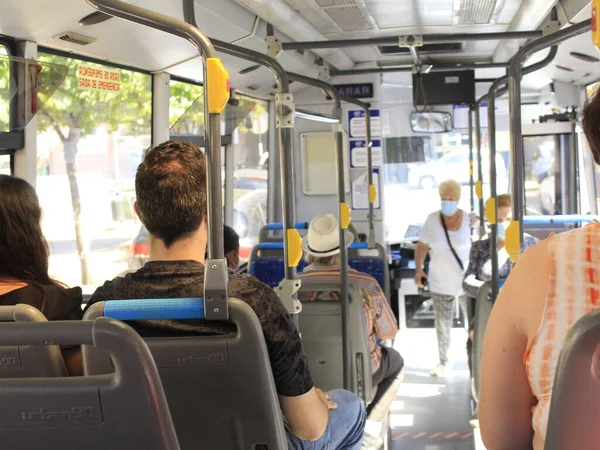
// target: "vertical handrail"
[[344, 218], [514, 235], [479, 183], [471, 170], [216, 94], [494, 91], [292, 248]]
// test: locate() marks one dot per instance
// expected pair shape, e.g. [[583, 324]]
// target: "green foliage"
[[186, 108], [127, 111]]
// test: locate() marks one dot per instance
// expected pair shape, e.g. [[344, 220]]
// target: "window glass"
[[91, 137], [541, 177], [250, 174], [5, 164], [5, 93], [182, 97]]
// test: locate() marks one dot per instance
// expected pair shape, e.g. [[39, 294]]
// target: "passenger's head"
[[23, 249], [170, 187], [321, 244], [232, 247], [591, 125], [450, 191], [504, 207]]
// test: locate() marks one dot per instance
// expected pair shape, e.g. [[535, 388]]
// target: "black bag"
[[460, 263]]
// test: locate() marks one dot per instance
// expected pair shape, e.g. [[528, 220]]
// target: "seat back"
[[575, 404], [127, 410], [483, 309], [321, 330], [23, 361], [220, 389]]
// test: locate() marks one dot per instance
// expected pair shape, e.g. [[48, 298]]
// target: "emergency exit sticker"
[[92, 78]]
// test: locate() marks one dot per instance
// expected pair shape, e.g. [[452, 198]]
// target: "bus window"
[[91, 137], [5, 164], [182, 96], [541, 174], [5, 92]]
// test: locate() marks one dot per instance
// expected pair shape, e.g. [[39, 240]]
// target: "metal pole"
[[476, 112], [343, 211], [215, 280], [471, 179], [435, 68], [516, 142], [427, 39], [415, 56], [574, 193], [372, 190], [496, 91]]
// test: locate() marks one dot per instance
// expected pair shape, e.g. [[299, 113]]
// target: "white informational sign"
[[460, 116], [358, 154], [360, 191], [356, 123]]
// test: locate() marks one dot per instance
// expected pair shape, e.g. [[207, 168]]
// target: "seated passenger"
[[552, 286], [232, 247], [322, 248], [171, 202], [480, 260], [24, 260]]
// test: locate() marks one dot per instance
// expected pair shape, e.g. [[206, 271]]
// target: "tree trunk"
[[70, 153]]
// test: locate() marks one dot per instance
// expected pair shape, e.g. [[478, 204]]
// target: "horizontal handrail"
[[278, 226], [155, 309], [562, 219], [279, 246]]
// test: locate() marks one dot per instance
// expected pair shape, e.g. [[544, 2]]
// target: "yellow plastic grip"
[[479, 189], [490, 210], [345, 215], [596, 23], [513, 240], [294, 242], [372, 193], [471, 170], [218, 85]]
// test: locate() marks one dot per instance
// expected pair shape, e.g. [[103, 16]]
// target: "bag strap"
[[460, 263]]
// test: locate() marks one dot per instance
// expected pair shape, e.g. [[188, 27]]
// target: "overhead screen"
[[444, 88]]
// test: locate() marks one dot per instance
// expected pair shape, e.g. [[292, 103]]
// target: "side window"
[[5, 89], [457, 159], [90, 139]]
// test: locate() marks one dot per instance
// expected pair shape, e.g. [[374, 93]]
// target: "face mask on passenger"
[[502, 226], [449, 207]]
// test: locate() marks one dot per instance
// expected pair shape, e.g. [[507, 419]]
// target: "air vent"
[[326, 3], [474, 12], [252, 87], [565, 68], [450, 47], [249, 69], [585, 57], [349, 15], [76, 39]]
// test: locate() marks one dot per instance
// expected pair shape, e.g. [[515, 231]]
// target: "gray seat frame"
[[125, 411], [321, 330], [23, 361], [220, 389]]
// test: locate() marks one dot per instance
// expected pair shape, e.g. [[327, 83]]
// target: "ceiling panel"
[[396, 14]]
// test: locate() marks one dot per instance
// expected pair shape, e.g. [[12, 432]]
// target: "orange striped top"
[[573, 291]]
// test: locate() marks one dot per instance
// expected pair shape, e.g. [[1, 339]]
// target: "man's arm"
[[308, 413], [420, 254]]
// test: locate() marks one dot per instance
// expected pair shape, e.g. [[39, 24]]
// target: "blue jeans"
[[345, 426]]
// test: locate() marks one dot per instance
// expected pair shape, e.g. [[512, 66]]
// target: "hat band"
[[324, 251]]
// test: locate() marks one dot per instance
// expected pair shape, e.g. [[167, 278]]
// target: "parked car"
[[454, 165]]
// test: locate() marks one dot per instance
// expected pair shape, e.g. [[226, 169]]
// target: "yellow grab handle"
[[218, 85], [596, 23], [490, 210], [372, 193], [513, 240], [471, 170], [345, 215], [294, 242], [479, 189]]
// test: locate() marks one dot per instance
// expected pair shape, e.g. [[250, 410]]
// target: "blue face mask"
[[449, 207], [502, 226]]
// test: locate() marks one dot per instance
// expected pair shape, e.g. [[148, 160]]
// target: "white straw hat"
[[323, 237]]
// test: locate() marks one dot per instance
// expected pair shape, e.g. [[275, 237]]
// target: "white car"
[[453, 165]]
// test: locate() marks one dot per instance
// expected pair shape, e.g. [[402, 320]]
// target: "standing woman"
[[24, 256], [446, 236]]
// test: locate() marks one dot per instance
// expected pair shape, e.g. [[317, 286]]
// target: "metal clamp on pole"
[[274, 46], [287, 292], [410, 40], [284, 108], [514, 233], [216, 94]]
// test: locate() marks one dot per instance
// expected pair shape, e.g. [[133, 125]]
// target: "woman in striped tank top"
[[554, 284]]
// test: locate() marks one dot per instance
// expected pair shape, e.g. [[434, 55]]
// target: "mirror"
[[431, 122]]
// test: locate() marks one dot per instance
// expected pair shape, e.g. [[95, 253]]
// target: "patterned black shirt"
[[185, 279]]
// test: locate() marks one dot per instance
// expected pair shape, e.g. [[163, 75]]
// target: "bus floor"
[[432, 413]]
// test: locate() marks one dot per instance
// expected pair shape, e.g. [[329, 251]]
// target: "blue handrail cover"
[[559, 219], [279, 245], [276, 226], [155, 309]]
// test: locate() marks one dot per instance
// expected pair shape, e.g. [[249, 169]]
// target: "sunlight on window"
[[402, 420]]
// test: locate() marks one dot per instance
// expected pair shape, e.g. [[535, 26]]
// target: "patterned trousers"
[[443, 307]]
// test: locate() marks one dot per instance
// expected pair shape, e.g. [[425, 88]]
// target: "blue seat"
[[270, 270]]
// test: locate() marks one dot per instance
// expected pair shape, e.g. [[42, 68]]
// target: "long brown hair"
[[23, 248]]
